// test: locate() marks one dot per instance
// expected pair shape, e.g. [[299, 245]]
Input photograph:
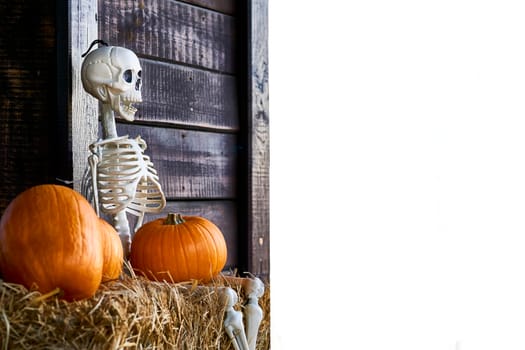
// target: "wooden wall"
[[30, 135], [257, 134], [189, 116]]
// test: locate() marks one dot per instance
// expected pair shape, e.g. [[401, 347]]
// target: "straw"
[[129, 313]]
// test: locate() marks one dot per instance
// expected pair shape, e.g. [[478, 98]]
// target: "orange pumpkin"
[[50, 238], [178, 249], [112, 250]]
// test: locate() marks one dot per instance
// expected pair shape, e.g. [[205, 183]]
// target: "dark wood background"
[[30, 135]]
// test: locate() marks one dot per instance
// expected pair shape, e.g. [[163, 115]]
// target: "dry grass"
[[131, 313]]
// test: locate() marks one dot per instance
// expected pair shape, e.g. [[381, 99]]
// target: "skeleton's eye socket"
[[139, 73], [128, 76]]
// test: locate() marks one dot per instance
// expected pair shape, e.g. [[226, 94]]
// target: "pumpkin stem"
[[174, 219]]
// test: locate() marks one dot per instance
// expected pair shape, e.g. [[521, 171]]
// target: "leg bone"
[[254, 289], [233, 320]]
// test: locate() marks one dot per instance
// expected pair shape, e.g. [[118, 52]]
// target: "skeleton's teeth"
[[128, 108], [133, 97]]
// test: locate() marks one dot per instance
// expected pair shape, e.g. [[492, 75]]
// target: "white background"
[[397, 176]]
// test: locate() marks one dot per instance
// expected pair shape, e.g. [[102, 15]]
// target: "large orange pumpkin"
[[50, 238], [112, 250], [178, 249]]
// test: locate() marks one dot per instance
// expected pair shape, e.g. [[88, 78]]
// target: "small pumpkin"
[[112, 251], [49, 238], [178, 248]]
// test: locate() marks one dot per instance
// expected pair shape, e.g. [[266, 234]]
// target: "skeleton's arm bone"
[[93, 163]]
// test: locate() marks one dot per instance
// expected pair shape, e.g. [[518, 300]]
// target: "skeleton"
[[243, 335], [121, 178]]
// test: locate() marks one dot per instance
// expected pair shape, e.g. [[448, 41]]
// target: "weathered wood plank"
[[187, 96], [27, 95], [84, 110], [258, 144], [224, 6], [170, 30], [222, 213], [191, 164]]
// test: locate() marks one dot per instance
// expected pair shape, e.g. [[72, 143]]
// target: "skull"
[[112, 74]]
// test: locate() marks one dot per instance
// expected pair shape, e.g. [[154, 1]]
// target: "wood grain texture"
[[259, 142], [224, 6], [222, 213], [187, 96], [191, 164], [171, 31], [27, 95], [84, 109]]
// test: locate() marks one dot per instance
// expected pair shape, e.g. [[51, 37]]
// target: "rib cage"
[[125, 177]]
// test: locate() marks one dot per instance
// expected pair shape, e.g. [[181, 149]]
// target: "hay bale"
[[130, 313]]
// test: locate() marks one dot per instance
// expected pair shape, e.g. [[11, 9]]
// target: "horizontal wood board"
[[187, 96], [224, 6], [191, 164], [171, 31]]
